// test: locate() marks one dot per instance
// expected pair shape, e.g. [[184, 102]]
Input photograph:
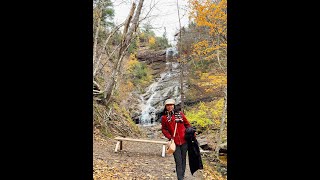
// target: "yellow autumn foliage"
[[152, 41], [204, 115], [213, 15], [138, 73], [210, 82], [210, 173], [133, 61]]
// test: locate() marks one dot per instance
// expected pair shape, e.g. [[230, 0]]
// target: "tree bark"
[[122, 52], [96, 66], [181, 63], [95, 41], [221, 125], [135, 23], [124, 45], [108, 58], [125, 30], [98, 86], [218, 55]]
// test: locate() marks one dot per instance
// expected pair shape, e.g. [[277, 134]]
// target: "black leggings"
[[180, 159]]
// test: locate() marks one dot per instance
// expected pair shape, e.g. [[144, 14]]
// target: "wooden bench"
[[120, 139]]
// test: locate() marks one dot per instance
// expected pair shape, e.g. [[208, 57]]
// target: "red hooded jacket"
[[168, 128]]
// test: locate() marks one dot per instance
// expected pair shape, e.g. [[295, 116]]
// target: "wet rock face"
[[156, 60], [166, 83], [150, 56]]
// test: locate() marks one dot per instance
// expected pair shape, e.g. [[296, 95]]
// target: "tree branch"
[[98, 86], [103, 49], [109, 57], [146, 16]]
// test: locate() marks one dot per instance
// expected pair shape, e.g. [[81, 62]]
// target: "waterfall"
[[171, 52], [148, 112], [168, 85]]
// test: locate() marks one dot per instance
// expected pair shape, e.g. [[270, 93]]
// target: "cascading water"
[[148, 115], [171, 52], [167, 86]]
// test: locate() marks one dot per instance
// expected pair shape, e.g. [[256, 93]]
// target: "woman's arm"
[[164, 128]]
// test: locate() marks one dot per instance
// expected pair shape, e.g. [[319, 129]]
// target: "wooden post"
[[117, 146], [163, 150], [120, 145]]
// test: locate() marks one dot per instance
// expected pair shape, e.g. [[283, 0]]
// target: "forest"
[[135, 70]]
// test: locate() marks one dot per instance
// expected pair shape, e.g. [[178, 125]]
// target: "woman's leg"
[[184, 149], [178, 159]]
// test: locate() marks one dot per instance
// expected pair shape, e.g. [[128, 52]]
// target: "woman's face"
[[169, 107]]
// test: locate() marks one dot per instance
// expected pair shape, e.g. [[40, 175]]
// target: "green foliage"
[[124, 114], [145, 36], [199, 117], [138, 72], [148, 37], [103, 14], [104, 130], [116, 38], [205, 115], [141, 73], [147, 29], [129, 119], [133, 47], [103, 10], [160, 43]]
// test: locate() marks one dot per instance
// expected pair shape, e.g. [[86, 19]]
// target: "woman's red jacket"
[[168, 128]]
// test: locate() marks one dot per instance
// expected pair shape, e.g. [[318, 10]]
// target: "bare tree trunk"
[[125, 30], [122, 52], [181, 63], [109, 90], [95, 41], [221, 124], [181, 85], [135, 23], [218, 55], [96, 66], [126, 26], [108, 58]]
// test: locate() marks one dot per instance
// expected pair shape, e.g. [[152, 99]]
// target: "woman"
[[168, 120]]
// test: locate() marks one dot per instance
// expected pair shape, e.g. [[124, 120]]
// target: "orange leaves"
[[212, 82], [101, 170], [223, 45], [202, 44], [211, 173], [205, 49], [210, 18], [200, 48], [209, 13]]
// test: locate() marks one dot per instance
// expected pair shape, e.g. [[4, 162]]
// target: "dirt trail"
[[137, 160]]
